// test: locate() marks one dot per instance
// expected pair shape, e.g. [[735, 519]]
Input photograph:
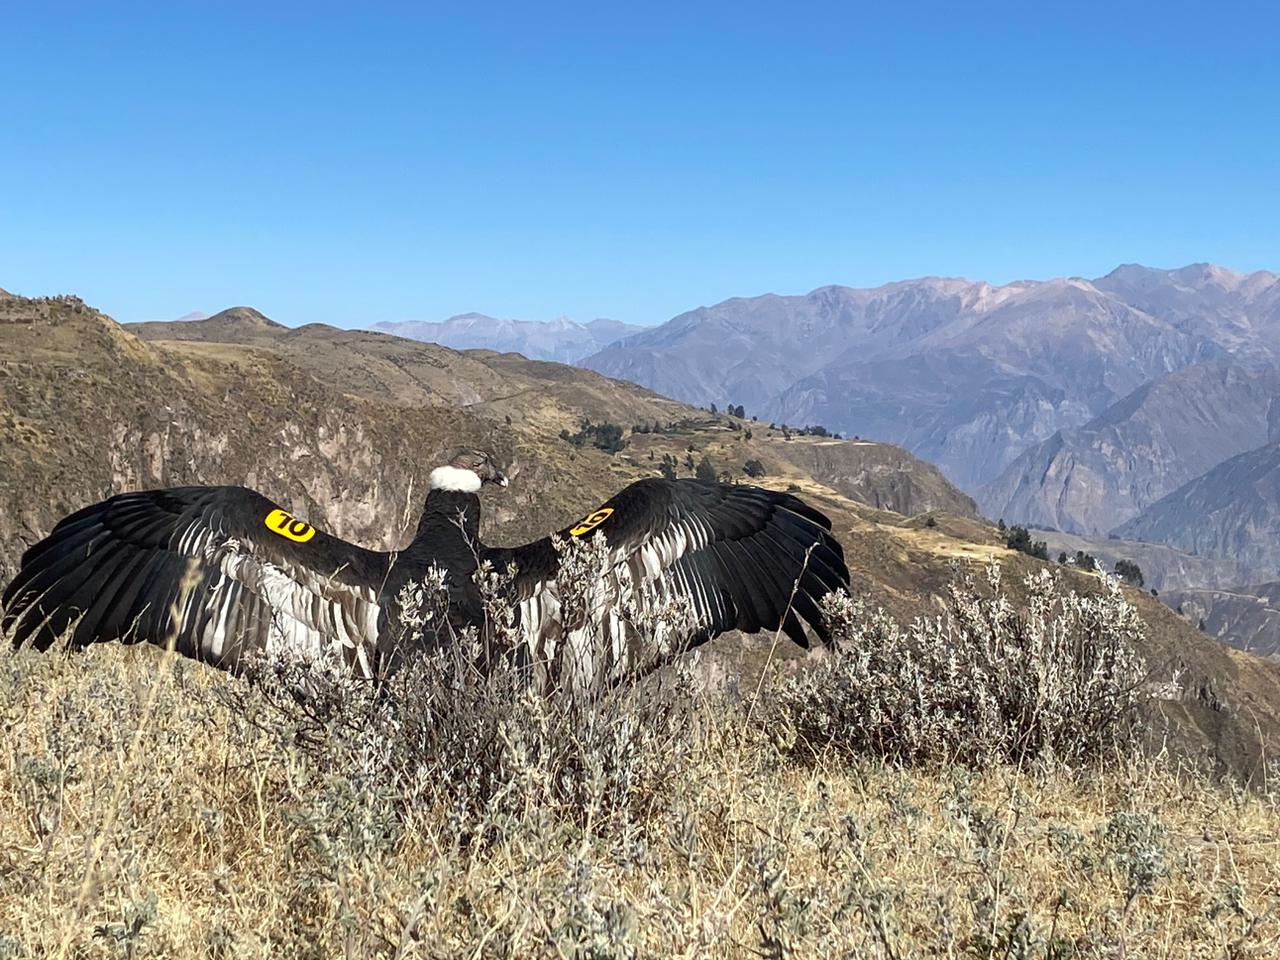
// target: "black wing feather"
[[195, 567], [116, 620], [746, 557]]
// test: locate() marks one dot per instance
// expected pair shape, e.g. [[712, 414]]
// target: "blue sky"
[[630, 161]]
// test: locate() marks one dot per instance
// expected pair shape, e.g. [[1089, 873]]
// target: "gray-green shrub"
[[1052, 674]]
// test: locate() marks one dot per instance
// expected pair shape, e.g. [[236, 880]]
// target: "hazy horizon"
[[200, 313]]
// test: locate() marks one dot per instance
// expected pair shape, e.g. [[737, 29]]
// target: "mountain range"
[[562, 340], [1143, 404], [965, 374]]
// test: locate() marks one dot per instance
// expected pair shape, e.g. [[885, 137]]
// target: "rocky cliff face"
[[1247, 617], [1093, 478], [87, 410], [1231, 512]]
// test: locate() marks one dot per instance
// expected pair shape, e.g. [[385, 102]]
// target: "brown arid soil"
[[152, 808]]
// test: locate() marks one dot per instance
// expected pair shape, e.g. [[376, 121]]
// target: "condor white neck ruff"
[[455, 478]]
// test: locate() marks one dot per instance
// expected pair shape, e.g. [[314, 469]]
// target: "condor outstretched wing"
[[216, 572], [739, 556]]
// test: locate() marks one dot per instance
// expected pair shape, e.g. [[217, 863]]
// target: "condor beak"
[[500, 478]]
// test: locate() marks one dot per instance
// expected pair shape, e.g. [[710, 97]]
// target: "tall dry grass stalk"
[[152, 808]]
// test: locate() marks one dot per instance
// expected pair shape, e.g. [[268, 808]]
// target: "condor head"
[[468, 470]]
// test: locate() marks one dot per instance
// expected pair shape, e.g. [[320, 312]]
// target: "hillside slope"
[[1091, 479], [541, 399], [87, 409], [1248, 617], [1163, 567], [1231, 512], [1206, 591]]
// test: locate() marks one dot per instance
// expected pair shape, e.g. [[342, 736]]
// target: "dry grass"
[[151, 807]]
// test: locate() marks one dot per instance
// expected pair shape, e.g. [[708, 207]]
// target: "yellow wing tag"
[[289, 526], [589, 523]]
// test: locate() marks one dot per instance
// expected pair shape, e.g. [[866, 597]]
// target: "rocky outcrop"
[[1090, 479], [1246, 617], [1231, 512], [882, 476]]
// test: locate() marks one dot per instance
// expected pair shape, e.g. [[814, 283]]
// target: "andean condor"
[[222, 573]]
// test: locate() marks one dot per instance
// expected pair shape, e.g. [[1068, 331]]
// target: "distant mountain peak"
[[469, 317], [240, 316], [1193, 276], [1208, 273], [562, 339], [192, 316]]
